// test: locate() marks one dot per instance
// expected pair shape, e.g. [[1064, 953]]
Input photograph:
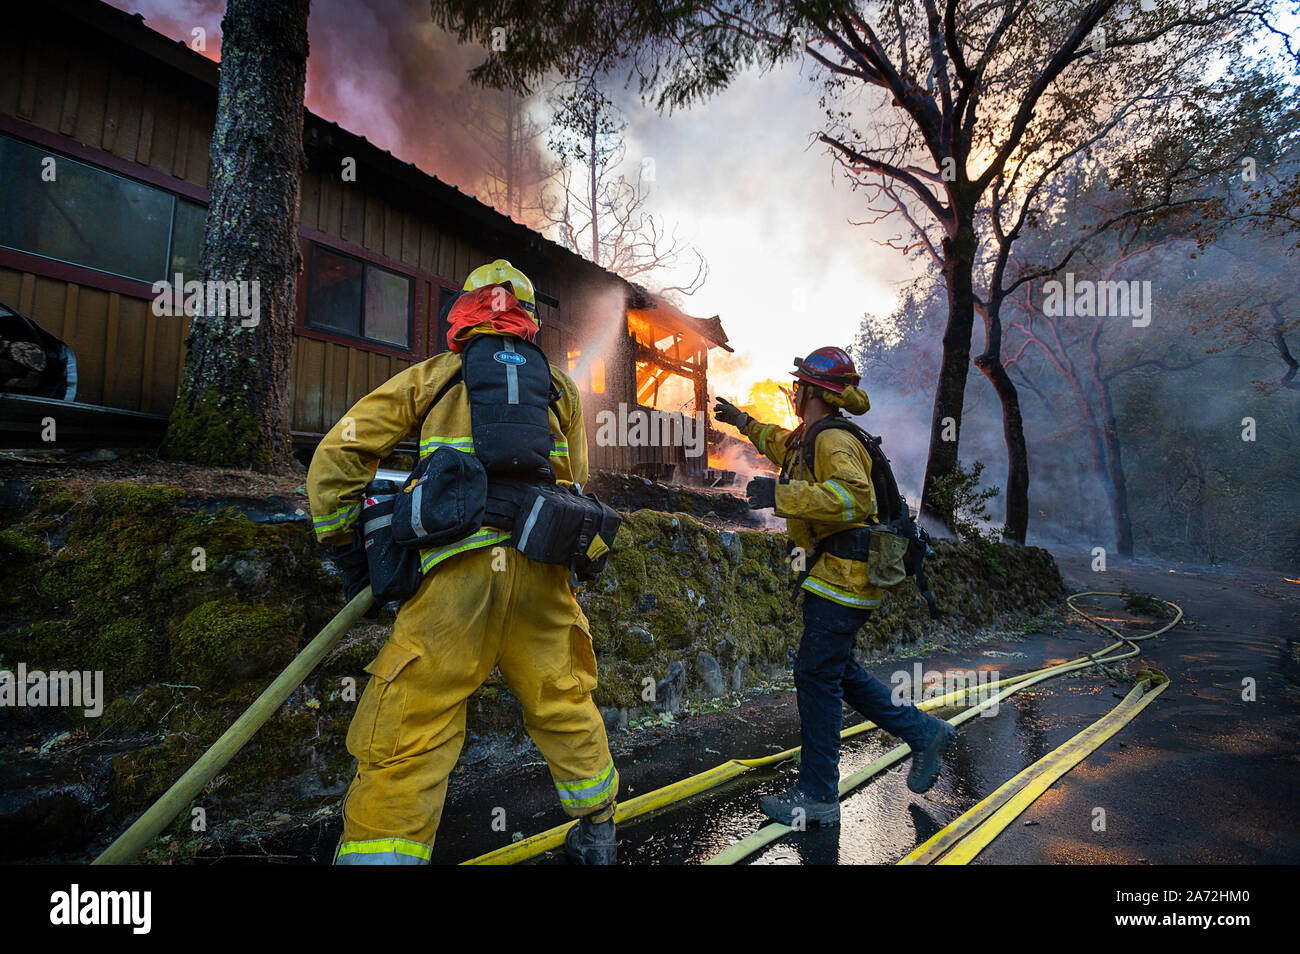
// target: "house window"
[[69, 211], [356, 298]]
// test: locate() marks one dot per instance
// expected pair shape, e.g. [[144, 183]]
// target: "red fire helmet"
[[829, 368]]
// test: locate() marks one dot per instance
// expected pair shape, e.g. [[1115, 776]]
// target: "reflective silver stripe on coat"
[[512, 377], [417, 526], [528, 524], [377, 523]]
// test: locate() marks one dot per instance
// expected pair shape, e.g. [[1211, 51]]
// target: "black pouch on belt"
[[394, 570], [557, 524], [596, 541], [442, 500]]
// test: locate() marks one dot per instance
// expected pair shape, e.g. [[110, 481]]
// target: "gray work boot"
[[796, 809], [591, 843], [927, 762]]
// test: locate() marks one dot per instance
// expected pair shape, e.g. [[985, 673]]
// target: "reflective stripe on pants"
[[382, 851], [584, 793]]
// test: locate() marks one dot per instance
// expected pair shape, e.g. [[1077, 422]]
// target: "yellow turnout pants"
[[409, 726]]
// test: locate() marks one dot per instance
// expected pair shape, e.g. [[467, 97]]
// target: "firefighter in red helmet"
[[824, 488]]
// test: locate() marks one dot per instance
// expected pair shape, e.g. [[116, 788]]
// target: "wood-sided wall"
[[91, 97], [73, 89]]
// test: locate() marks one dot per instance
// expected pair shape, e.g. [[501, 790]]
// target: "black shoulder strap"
[[889, 502], [808, 442], [442, 393]]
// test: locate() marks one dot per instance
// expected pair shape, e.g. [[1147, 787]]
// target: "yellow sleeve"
[[769, 439], [575, 432], [347, 457], [844, 495]]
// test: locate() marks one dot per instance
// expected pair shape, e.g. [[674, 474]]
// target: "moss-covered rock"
[[223, 642], [17, 547], [102, 576], [127, 648]]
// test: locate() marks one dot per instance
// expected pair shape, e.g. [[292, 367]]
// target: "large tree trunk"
[[1109, 439], [591, 172], [1016, 526], [1115, 475], [950, 390], [1013, 434], [233, 406]]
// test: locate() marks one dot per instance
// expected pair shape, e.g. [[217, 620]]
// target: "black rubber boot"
[[796, 809], [927, 762], [592, 843]]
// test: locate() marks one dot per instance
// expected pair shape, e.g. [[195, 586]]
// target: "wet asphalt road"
[[1200, 776]]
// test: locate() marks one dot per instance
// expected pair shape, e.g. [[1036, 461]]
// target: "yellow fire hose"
[[1040, 774], [963, 839], [552, 838], [175, 799], [968, 835], [160, 814], [677, 791]]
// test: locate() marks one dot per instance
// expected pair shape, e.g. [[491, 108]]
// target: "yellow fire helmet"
[[500, 272]]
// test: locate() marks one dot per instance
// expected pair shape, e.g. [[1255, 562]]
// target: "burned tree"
[[233, 405], [507, 140], [595, 208]]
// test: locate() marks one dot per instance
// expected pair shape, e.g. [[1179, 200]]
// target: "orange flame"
[[769, 402]]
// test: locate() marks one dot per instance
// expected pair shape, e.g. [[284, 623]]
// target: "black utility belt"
[[859, 543], [449, 496], [880, 546], [852, 544]]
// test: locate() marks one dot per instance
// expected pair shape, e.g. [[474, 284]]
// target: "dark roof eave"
[[132, 31]]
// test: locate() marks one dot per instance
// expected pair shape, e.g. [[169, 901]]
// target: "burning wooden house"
[[105, 128]]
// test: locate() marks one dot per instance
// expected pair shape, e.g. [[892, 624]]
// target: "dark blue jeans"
[[825, 675]]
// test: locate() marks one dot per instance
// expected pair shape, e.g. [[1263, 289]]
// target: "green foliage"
[[958, 499], [1139, 601]]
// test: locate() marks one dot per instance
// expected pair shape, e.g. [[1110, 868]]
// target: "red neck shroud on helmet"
[[494, 305]]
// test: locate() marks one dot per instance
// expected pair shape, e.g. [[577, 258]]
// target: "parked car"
[[33, 361]]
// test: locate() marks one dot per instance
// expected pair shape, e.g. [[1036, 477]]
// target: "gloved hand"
[[761, 492], [351, 561], [728, 413]]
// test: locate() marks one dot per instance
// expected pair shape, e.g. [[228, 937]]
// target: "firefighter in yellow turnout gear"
[[824, 489], [839, 497], [480, 604]]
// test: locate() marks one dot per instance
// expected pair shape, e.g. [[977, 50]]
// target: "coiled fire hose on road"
[[960, 841], [677, 791], [1000, 806]]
